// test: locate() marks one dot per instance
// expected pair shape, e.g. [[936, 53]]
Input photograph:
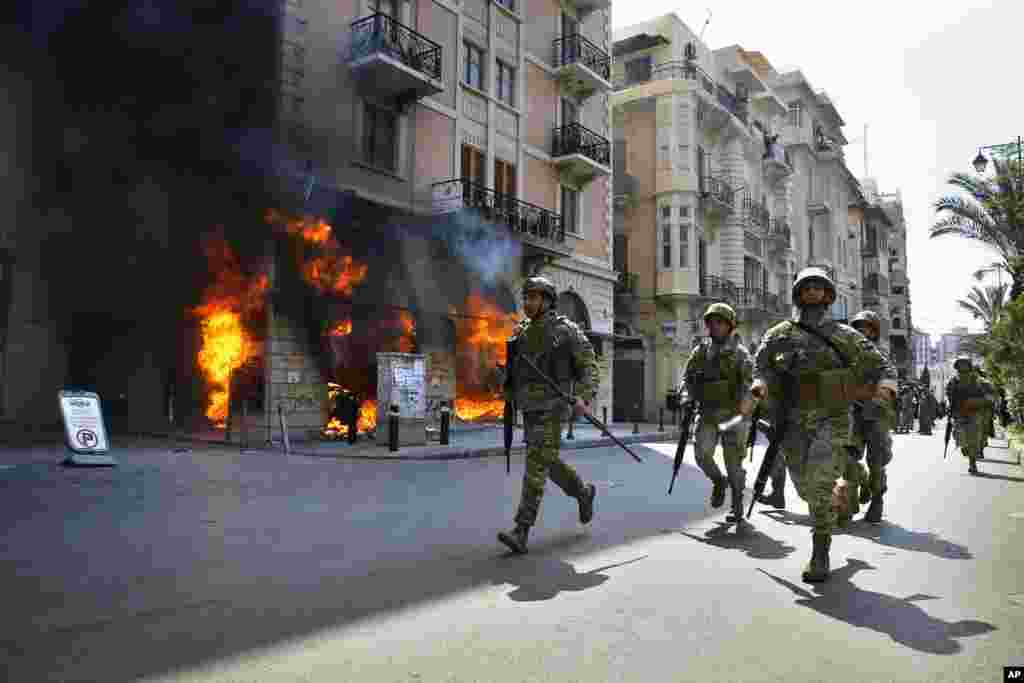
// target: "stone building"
[[729, 179]]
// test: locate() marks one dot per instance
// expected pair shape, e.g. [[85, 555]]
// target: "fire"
[[407, 342], [342, 329], [312, 230], [226, 344], [333, 273], [481, 336], [366, 422]]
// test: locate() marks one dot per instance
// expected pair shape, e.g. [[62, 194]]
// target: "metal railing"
[[576, 48], [578, 139], [717, 189], [686, 70], [757, 216], [778, 229], [735, 105], [381, 33], [521, 217], [716, 287], [751, 297]]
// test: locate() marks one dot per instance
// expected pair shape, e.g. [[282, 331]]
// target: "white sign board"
[[447, 196], [84, 429]]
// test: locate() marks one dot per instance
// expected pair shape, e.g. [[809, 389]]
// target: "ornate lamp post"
[[980, 163]]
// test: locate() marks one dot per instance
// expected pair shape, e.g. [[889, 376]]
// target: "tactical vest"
[[717, 387], [551, 352]]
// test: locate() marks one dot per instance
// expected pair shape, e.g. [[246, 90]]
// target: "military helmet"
[[812, 273], [539, 283], [963, 359], [723, 311], [868, 318]]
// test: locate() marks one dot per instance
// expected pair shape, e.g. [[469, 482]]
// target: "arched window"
[[897, 324], [572, 307]]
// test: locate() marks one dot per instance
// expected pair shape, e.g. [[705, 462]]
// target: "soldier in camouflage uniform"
[[718, 374], [815, 386], [560, 350], [969, 395], [873, 420]]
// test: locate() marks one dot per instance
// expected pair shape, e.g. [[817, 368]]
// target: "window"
[[796, 114], [473, 164], [684, 212], [666, 246], [570, 112], [684, 246], [505, 178], [473, 69], [506, 84], [570, 210], [638, 70], [666, 212], [380, 132]]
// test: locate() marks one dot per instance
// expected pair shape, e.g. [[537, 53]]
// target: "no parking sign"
[[85, 433]]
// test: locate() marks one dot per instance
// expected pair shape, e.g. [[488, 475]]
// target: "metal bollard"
[[353, 429], [572, 418], [446, 418], [661, 419], [393, 428], [636, 427], [604, 414]]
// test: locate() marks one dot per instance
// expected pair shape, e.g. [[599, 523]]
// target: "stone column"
[[732, 168]]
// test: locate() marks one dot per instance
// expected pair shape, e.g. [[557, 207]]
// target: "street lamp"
[[980, 162]]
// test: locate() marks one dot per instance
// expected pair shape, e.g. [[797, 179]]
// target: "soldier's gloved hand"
[[581, 408], [759, 389]]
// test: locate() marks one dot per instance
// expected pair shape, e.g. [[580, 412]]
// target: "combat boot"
[[973, 467], [718, 493], [874, 513], [516, 538], [736, 515], [865, 494], [586, 501], [777, 499], [816, 570]]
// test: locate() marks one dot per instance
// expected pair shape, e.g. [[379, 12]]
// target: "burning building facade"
[[397, 181]]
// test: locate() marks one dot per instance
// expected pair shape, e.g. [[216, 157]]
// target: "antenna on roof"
[[708, 21]]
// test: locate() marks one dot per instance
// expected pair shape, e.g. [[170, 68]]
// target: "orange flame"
[[342, 329], [330, 271], [481, 336], [407, 342], [478, 409], [365, 422], [312, 230], [226, 345]]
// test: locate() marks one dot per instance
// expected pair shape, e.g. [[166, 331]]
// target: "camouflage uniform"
[[815, 391], [560, 350], [873, 420], [968, 395], [719, 376]]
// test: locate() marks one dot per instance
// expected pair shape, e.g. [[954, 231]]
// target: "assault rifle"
[[689, 410], [949, 433], [510, 426], [571, 400]]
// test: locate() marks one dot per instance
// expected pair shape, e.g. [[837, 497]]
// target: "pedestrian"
[[817, 368], [559, 349], [926, 418], [873, 419], [968, 396], [719, 374]]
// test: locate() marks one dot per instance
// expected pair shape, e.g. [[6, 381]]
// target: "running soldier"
[[968, 395]]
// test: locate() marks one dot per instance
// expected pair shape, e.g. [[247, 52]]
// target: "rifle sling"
[[831, 344]]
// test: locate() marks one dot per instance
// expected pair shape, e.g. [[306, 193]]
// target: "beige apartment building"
[[730, 178]]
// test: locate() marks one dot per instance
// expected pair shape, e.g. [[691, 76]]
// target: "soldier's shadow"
[[989, 475], [899, 618], [888, 534], [544, 578], [749, 540]]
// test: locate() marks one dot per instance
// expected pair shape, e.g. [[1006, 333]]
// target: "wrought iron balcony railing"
[[757, 216], [578, 139], [521, 217], [716, 287], [718, 190], [382, 33], [684, 69], [575, 48], [778, 229], [735, 105], [751, 297]]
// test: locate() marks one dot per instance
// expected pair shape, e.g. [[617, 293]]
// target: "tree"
[[985, 304], [990, 211]]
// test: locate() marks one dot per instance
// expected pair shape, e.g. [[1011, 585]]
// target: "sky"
[[932, 81]]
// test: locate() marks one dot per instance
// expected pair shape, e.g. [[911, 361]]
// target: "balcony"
[[818, 207], [535, 226], [756, 216], [717, 195], [391, 61], [583, 68], [580, 153], [776, 163], [718, 288], [779, 235]]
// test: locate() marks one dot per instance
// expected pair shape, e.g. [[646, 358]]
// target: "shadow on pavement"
[[999, 462], [888, 534], [899, 618], [545, 578], [749, 540], [989, 475]]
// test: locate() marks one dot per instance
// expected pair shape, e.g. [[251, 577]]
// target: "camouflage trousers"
[[971, 435], [816, 458], [876, 436], [543, 436], [733, 442]]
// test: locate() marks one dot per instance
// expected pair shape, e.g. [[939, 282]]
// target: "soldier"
[[926, 418], [559, 349], [817, 368], [968, 396], [873, 420], [718, 374]]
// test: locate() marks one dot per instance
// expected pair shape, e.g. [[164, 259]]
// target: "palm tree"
[[990, 211], [985, 304]]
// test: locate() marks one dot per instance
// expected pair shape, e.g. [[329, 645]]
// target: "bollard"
[[572, 418], [353, 427], [284, 431], [446, 418], [393, 428], [636, 427], [604, 414], [243, 433], [661, 419]]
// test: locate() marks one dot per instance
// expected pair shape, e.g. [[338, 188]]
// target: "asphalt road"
[[214, 566]]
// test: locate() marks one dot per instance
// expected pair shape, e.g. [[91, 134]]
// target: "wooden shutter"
[[504, 178]]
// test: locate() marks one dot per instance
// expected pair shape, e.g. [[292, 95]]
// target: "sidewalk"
[[466, 441]]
